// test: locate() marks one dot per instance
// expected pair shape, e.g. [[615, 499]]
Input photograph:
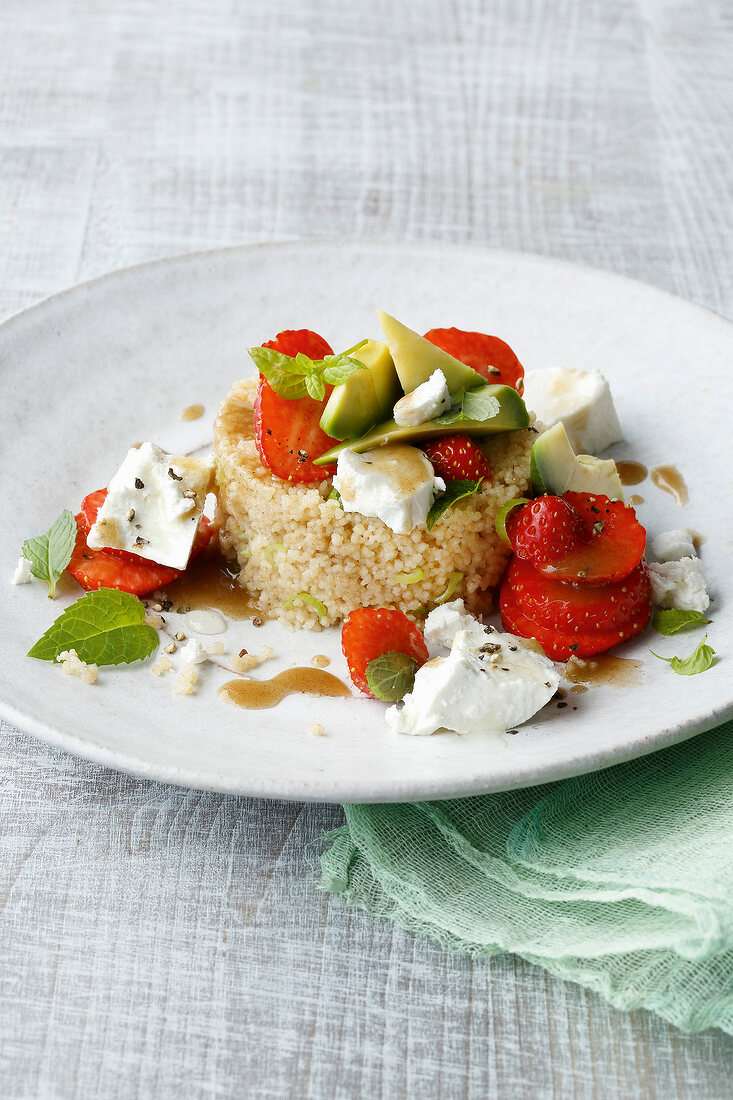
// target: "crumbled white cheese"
[[679, 584], [394, 483], [581, 399], [672, 545], [428, 400], [22, 574], [153, 506], [193, 653], [72, 665], [444, 622], [488, 683]]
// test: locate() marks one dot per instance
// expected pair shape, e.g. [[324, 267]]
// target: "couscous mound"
[[308, 563]]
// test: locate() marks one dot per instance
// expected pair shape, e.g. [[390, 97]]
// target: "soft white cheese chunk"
[[444, 622], [672, 545], [679, 584], [22, 574], [394, 483], [153, 506], [488, 683], [581, 399], [426, 401], [193, 653]]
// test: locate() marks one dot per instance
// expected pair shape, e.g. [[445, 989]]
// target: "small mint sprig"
[[294, 377], [105, 627], [391, 676], [700, 660], [455, 491], [49, 554], [672, 620], [478, 404]]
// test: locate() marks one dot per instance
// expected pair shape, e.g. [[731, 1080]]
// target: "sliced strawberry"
[[291, 341], [287, 432], [457, 458], [564, 616], [614, 544], [100, 569], [545, 530], [368, 632], [488, 355], [88, 517]]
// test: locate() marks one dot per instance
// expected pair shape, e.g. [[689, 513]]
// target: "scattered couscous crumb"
[[156, 621], [170, 648], [316, 729], [180, 636], [162, 665], [336, 561], [244, 661], [187, 680], [216, 649], [74, 666], [321, 660]]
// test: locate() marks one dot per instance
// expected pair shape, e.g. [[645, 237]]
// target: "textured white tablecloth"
[[163, 943]]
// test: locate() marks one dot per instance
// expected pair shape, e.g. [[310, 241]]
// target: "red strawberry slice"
[[488, 355], [614, 545], [572, 618], [287, 432], [88, 517], [369, 632], [457, 458], [292, 341], [100, 569], [545, 530]]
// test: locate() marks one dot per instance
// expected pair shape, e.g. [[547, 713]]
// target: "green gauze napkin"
[[621, 880]]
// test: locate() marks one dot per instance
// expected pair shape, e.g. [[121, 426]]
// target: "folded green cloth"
[[621, 880]]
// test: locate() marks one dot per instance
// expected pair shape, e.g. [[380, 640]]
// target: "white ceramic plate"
[[116, 360]]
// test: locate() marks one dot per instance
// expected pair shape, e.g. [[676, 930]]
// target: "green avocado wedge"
[[556, 469], [511, 416], [366, 397], [415, 359]]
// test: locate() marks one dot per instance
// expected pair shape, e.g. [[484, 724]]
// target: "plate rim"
[[275, 787]]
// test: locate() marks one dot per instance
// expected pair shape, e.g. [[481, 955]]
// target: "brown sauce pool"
[[618, 672], [210, 582], [670, 480], [262, 694], [193, 412], [631, 473]]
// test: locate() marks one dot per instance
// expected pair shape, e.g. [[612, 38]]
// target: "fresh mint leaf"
[[315, 386], [478, 404], [700, 660], [673, 620], [340, 367], [391, 676], [49, 554], [457, 490], [105, 628]]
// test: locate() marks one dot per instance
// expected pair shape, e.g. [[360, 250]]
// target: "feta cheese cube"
[[425, 402], [153, 506], [679, 584], [488, 683], [581, 399], [394, 483], [444, 622]]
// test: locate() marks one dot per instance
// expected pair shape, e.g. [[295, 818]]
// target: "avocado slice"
[[366, 397], [556, 469], [511, 416], [415, 359]]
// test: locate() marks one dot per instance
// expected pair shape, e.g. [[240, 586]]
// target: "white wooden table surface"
[[160, 943]]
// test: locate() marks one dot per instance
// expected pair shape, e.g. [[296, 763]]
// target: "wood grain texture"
[[164, 943]]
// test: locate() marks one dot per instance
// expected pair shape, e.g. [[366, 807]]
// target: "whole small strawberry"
[[457, 458], [545, 530]]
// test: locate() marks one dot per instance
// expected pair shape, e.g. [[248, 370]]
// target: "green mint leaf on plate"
[[457, 490], [49, 554], [391, 676], [478, 404], [503, 514], [105, 627], [700, 660], [340, 367], [673, 620]]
